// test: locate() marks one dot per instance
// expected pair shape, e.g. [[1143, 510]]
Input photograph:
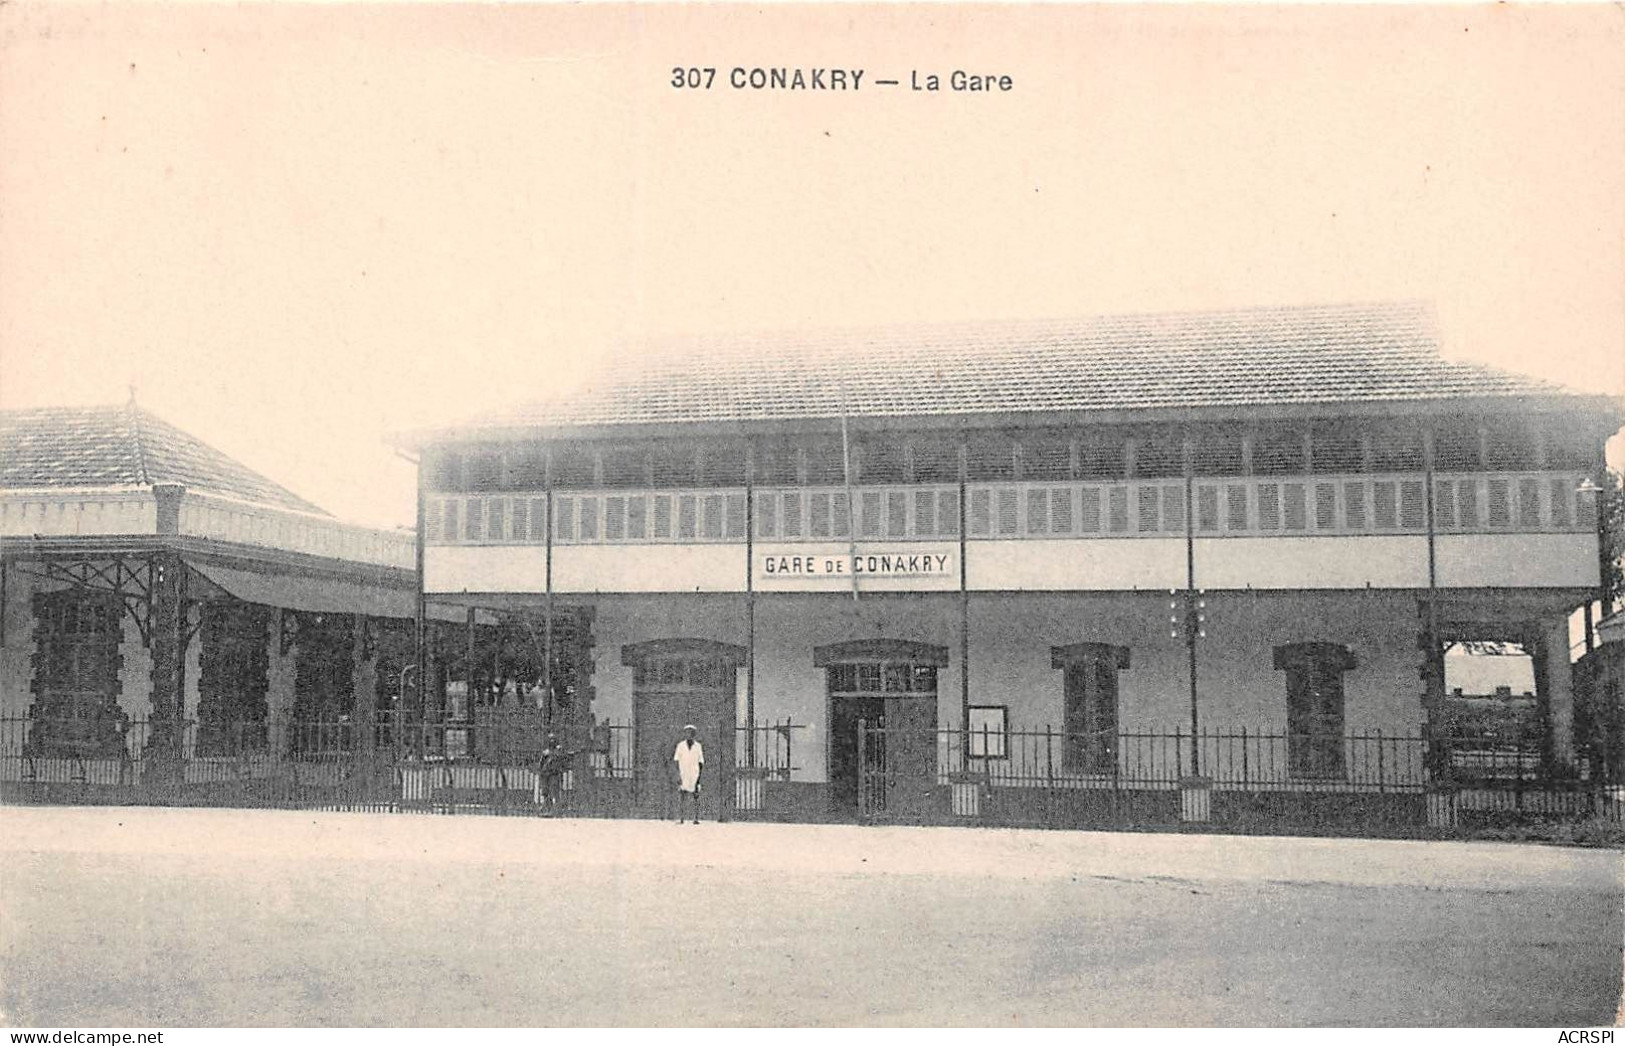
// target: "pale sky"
[[298, 228]]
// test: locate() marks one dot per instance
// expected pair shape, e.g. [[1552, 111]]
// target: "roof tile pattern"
[[1334, 354], [122, 447]]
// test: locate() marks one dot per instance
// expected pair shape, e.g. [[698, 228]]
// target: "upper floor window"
[[1278, 450], [1046, 455], [1455, 446], [1159, 455], [990, 456], [880, 458], [1336, 448], [1217, 452]]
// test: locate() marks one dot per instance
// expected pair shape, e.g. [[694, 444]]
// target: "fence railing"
[[1343, 504], [1231, 759]]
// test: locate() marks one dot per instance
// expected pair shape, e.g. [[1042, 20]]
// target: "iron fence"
[[508, 761], [1239, 759]]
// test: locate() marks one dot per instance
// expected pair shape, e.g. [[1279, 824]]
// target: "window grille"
[[869, 524], [819, 523], [1561, 493], [1385, 504], [711, 527], [1117, 509], [1444, 504], [498, 530], [637, 518], [1060, 510], [1467, 504], [1529, 504], [981, 512], [766, 515], [431, 519], [1354, 505], [1207, 507], [1089, 510], [1412, 505], [1236, 504], [1269, 506], [564, 526], [896, 513], [662, 526], [614, 519], [1148, 509], [588, 525], [1296, 512], [473, 520], [948, 513], [687, 510], [521, 519], [1325, 506], [1173, 508], [1037, 510], [1499, 503], [840, 514], [925, 512], [1007, 511], [792, 514]]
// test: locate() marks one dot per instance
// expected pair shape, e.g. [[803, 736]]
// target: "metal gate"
[[896, 773]]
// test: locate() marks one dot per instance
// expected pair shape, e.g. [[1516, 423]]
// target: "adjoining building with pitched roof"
[[165, 606], [1198, 565]]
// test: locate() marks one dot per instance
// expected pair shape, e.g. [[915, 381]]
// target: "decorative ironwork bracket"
[[127, 577]]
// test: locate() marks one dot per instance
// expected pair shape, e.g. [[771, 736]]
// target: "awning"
[[322, 595]]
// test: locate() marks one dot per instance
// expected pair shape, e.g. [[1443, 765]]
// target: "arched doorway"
[[676, 682], [890, 687]]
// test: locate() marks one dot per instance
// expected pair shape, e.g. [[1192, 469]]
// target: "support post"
[[418, 708], [1437, 754], [750, 625], [547, 612], [166, 630], [1192, 614]]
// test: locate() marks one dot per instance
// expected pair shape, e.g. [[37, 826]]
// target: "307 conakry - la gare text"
[[790, 78]]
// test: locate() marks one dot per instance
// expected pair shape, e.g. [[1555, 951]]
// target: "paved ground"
[[138, 917]]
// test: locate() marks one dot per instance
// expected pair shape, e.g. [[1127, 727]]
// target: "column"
[[1558, 679]]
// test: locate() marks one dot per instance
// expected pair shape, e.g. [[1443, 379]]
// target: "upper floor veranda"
[[1494, 475]]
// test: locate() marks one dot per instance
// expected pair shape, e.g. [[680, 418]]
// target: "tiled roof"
[[122, 447], [1333, 354]]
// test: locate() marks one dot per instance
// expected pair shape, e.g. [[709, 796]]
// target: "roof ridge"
[[132, 415]]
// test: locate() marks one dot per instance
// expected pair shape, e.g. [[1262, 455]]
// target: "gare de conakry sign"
[[825, 566]]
